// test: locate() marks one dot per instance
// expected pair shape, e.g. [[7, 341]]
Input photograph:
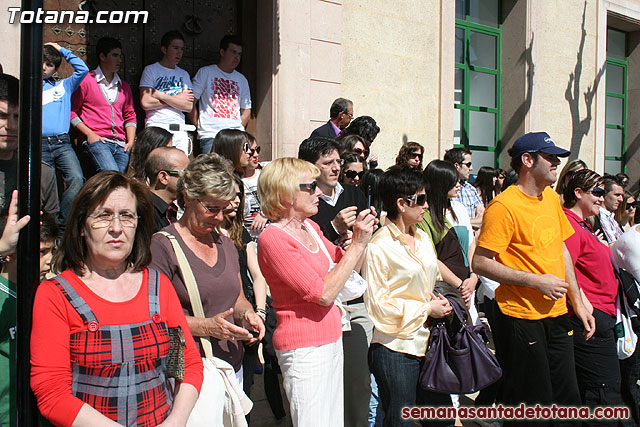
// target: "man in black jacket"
[[341, 114], [337, 210]]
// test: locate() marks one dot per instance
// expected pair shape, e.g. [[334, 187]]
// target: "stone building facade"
[[473, 72]]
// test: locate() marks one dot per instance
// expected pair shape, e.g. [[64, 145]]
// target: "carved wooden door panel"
[[202, 22]]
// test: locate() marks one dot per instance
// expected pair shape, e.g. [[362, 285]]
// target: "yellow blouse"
[[399, 286]]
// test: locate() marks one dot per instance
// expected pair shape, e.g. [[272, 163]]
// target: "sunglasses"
[[214, 210], [311, 188], [351, 174], [253, 151], [597, 191], [172, 172], [632, 206], [417, 199], [467, 164], [359, 151], [418, 155]]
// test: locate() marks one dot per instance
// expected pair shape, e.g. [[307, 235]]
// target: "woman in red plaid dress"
[[100, 340]]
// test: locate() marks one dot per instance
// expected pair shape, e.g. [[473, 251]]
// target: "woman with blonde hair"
[[306, 272]]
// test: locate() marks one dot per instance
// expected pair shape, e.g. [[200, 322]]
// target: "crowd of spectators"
[[254, 262]]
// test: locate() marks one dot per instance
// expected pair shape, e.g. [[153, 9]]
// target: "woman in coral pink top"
[[100, 339], [308, 336]]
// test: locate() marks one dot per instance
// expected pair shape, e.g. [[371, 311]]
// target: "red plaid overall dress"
[[120, 369]]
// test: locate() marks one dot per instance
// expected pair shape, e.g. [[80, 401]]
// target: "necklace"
[[308, 239]]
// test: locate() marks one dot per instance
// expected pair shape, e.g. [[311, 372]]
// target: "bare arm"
[[184, 400], [575, 295], [259, 283], [548, 284], [335, 280], [193, 115], [152, 99], [90, 417], [130, 131], [245, 115], [86, 131]]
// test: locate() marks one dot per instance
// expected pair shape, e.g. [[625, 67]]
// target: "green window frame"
[[616, 103], [485, 72]]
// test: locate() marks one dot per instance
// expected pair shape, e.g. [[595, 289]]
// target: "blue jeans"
[[397, 377], [58, 153], [206, 144], [107, 156]]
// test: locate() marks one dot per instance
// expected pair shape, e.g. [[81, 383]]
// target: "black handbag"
[[458, 360]]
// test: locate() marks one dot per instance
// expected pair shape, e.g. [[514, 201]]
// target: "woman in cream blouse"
[[401, 270]]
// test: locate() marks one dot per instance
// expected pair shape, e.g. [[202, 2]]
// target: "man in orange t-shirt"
[[521, 245]]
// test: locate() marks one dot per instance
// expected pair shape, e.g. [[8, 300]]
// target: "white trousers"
[[312, 378]]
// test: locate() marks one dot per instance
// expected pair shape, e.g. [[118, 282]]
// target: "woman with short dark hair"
[[100, 339], [597, 367], [401, 271]]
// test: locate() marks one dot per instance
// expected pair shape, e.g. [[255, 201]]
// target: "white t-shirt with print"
[[221, 96], [170, 81]]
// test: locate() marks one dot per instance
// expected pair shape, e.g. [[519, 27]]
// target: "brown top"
[[219, 286]]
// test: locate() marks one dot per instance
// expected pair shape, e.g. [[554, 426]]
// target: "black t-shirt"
[[351, 196]]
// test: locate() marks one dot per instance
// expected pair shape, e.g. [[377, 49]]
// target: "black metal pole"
[[29, 154]]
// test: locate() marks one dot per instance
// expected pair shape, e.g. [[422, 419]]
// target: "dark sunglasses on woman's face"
[[253, 151], [247, 148], [351, 174], [631, 206], [361, 152], [418, 155], [417, 199], [597, 191], [311, 188]]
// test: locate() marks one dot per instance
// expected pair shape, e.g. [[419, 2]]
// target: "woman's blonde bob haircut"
[[207, 175], [279, 183]]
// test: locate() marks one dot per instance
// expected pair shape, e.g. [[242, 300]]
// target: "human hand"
[[467, 288], [345, 219], [93, 137], [600, 235], [363, 227], [252, 322], [56, 46], [440, 306], [345, 239], [259, 223], [550, 285], [219, 327], [373, 157], [588, 321], [11, 232], [186, 94], [128, 146]]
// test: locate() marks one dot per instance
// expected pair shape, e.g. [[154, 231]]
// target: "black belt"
[[355, 301]]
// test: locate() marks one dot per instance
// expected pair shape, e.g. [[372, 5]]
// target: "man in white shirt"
[[614, 194], [165, 91], [224, 98]]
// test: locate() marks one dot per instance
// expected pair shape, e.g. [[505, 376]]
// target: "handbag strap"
[[192, 289], [613, 263]]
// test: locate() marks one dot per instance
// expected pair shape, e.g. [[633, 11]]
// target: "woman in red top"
[[100, 338], [307, 338], [596, 360]]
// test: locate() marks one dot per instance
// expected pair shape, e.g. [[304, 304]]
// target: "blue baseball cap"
[[536, 141]]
